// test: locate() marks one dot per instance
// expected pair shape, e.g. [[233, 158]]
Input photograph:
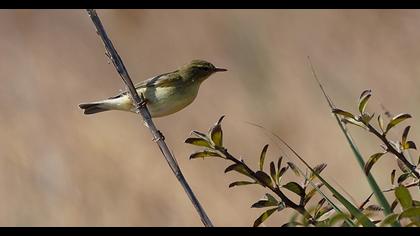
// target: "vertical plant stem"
[[372, 182], [141, 109]]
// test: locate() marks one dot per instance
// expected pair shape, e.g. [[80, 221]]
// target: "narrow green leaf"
[[273, 172], [396, 120], [364, 93], [381, 123], [324, 210], [283, 170], [262, 156], [405, 134], [410, 213], [267, 202], [403, 177], [389, 219], [293, 167], [203, 154], [366, 118], [198, 142], [239, 168], [404, 197], [200, 135], [295, 187], [393, 176], [343, 113], [394, 204], [264, 178], [278, 169], [263, 203], [217, 136], [354, 122], [279, 163], [240, 183], [372, 160], [264, 216], [409, 145], [272, 199], [220, 120], [216, 133], [235, 167], [363, 100], [336, 218], [319, 205]]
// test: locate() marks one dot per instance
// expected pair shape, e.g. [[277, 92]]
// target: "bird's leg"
[[143, 103], [159, 136], [143, 100]]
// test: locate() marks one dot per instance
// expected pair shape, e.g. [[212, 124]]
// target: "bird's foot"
[[159, 136], [143, 103]]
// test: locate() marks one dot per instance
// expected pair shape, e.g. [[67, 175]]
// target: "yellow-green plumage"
[[165, 94]]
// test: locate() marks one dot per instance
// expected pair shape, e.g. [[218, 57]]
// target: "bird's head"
[[198, 70]]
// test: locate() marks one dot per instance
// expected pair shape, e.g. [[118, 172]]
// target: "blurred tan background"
[[59, 167]]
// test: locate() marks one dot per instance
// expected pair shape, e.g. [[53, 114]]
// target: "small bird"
[[164, 94]]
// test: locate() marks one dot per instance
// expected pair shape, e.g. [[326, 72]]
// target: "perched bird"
[[164, 94]]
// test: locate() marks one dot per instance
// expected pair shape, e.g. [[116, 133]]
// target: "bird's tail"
[[93, 107]]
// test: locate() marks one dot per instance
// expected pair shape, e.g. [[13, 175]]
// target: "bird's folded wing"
[[160, 80]]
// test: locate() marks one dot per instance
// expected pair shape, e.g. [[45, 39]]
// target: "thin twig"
[[394, 151], [272, 134], [365, 202], [415, 183], [330, 102], [140, 106], [275, 189]]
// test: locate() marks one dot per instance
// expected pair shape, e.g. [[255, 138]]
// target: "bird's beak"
[[219, 70]]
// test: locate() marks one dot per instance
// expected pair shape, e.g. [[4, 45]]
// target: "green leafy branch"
[[213, 144], [317, 216], [396, 148]]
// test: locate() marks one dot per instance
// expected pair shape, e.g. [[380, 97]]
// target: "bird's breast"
[[162, 101]]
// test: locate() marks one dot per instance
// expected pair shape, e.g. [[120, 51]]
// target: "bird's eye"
[[205, 68]]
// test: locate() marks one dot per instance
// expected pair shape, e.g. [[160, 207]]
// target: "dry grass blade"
[[372, 183]]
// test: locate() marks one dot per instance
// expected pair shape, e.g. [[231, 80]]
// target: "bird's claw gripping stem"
[[143, 103], [159, 136], [143, 100]]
